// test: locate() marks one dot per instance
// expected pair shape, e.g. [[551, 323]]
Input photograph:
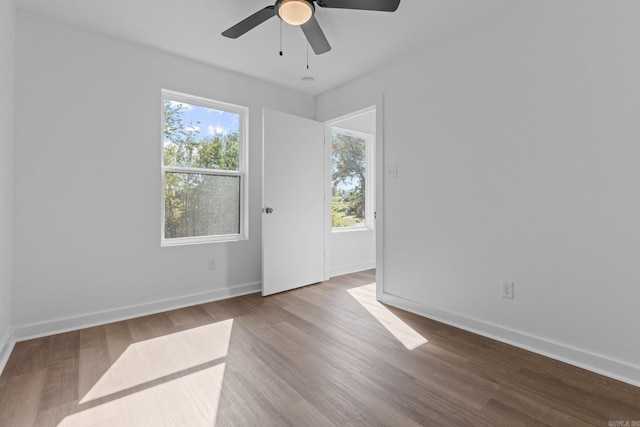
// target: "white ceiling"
[[360, 40]]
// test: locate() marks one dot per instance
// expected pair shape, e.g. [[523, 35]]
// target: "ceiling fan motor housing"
[[295, 12]]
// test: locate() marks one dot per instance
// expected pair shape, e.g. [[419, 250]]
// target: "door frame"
[[329, 119]]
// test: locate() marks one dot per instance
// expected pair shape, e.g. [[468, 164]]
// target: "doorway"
[[351, 191], [277, 182]]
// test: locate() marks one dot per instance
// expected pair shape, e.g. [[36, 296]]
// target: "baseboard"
[[352, 268], [603, 365], [36, 330], [6, 346]]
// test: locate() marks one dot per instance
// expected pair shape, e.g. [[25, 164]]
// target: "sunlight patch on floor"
[[190, 400], [169, 380], [366, 296]]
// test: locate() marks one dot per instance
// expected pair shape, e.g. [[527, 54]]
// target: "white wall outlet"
[[212, 263], [506, 290]]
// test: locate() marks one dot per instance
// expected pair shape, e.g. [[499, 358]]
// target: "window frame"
[[241, 173], [369, 177]]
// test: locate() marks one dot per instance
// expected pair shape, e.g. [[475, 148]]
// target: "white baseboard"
[[6, 345], [56, 326], [352, 268], [603, 365]]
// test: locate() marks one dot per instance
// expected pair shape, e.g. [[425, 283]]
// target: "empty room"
[[453, 239]]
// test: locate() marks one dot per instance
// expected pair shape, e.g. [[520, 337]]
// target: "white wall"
[[7, 33], [352, 251], [518, 145], [87, 180]]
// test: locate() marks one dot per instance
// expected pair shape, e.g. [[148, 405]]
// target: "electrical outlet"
[[212, 263], [506, 290]]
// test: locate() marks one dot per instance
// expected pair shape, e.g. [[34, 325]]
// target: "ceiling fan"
[[301, 13]]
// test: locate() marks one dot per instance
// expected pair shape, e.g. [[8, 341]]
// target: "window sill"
[[351, 229], [182, 241]]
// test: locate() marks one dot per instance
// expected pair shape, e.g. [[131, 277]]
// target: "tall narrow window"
[[203, 170], [352, 186]]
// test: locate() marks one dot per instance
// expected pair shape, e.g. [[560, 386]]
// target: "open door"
[[293, 214]]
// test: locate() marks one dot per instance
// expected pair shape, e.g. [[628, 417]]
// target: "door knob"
[[268, 211]]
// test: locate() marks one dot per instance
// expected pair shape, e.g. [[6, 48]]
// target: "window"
[[203, 170], [352, 180]]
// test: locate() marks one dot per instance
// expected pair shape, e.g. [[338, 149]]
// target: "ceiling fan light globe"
[[295, 12]]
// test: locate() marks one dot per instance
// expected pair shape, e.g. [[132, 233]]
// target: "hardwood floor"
[[326, 354]]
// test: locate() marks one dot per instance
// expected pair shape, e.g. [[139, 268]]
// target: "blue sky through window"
[[209, 121]]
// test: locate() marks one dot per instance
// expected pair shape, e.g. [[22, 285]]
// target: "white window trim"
[[369, 183], [242, 171]]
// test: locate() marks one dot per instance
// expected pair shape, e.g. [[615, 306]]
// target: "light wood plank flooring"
[[323, 355]]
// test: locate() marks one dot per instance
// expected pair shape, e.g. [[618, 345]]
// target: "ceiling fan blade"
[[379, 5], [250, 23], [316, 37]]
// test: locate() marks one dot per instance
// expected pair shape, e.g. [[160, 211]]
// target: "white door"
[[293, 216]]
